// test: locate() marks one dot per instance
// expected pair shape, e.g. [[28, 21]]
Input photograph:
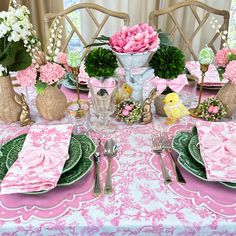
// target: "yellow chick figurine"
[[124, 93], [173, 108]]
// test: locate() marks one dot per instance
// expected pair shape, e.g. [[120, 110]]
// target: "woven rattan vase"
[[9, 109], [227, 95], [52, 103]]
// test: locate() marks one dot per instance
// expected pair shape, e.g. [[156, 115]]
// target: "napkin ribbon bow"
[[175, 84], [108, 84], [218, 145], [45, 156]]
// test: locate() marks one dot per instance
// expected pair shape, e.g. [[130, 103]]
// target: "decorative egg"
[[206, 56]]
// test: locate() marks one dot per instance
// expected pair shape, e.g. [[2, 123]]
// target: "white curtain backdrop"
[[138, 11]]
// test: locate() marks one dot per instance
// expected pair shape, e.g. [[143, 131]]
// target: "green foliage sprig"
[[100, 62], [168, 62]]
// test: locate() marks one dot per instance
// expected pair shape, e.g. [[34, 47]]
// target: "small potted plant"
[[45, 73], [100, 64], [168, 63]]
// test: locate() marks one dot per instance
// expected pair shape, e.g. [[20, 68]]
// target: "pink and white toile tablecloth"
[[140, 205]]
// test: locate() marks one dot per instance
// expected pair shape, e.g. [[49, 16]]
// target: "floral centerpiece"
[[212, 109], [17, 39], [133, 46], [225, 61], [100, 64], [227, 94], [45, 73], [168, 63]]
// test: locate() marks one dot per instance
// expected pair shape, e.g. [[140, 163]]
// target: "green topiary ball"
[[168, 62], [100, 62]]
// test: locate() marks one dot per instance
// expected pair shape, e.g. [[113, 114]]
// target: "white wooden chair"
[[201, 13], [90, 8]]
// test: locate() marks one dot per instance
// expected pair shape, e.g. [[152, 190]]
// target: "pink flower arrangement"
[[230, 72], [221, 58], [62, 59], [48, 73], [136, 39], [27, 77], [51, 73]]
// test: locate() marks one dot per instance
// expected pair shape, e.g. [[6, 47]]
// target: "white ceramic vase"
[[132, 61]]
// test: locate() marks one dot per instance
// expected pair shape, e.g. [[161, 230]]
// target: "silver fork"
[[157, 148], [167, 146]]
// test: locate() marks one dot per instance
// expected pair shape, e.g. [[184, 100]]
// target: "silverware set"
[[110, 150], [161, 143]]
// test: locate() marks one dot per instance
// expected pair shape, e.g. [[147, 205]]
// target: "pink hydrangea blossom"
[[135, 39], [51, 73], [62, 59], [221, 58], [230, 72], [27, 77]]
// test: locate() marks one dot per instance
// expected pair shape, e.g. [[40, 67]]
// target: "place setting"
[[119, 133]]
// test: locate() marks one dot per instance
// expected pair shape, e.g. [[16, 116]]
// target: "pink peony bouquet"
[[135, 39], [225, 60]]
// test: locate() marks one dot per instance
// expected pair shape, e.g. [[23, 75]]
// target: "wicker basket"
[[52, 103], [9, 109], [227, 95]]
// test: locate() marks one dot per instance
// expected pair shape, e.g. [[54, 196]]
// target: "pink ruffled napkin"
[[41, 160], [212, 77], [218, 149]]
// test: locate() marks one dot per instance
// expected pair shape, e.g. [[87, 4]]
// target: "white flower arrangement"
[[17, 38]]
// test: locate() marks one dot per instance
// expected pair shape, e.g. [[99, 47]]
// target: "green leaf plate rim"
[[193, 149], [189, 169]]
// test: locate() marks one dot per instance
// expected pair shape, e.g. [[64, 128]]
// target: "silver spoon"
[[110, 149]]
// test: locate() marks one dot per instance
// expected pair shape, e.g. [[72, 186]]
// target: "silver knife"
[[97, 157]]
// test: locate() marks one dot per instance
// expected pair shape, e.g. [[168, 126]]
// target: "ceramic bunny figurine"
[[146, 109], [137, 81], [25, 118]]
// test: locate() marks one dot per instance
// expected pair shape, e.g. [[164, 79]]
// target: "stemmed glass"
[[103, 95]]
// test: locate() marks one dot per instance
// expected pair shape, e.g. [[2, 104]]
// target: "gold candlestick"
[[75, 72], [195, 111], [80, 112]]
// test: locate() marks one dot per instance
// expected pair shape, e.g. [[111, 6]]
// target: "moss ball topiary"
[[100, 62], [168, 62]]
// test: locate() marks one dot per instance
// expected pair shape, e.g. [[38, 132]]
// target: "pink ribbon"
[[176, 84], [107, 84], [47, 156]]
